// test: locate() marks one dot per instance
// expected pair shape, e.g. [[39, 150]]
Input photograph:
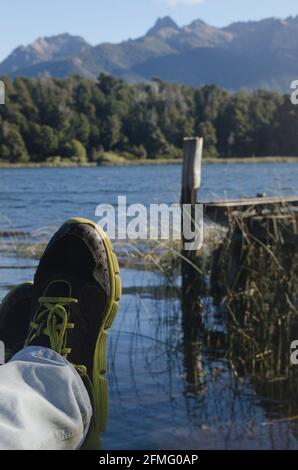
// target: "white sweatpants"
[[43, 402]]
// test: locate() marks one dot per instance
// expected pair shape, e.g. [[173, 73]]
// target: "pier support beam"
[[191, 278], [191, 171]]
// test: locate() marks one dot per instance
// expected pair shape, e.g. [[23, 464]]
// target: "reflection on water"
[[166, 390], [168, 394]]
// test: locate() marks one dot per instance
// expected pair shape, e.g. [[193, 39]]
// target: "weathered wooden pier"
[[222, 211], [251, 271], [262, 218]]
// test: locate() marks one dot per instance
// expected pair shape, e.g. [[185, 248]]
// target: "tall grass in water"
[[255, 276], [254, 272]]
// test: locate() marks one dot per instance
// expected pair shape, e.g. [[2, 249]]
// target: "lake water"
[[162, 395]]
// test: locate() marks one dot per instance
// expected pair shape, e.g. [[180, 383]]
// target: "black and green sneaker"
[[15, 318], [74, 302]]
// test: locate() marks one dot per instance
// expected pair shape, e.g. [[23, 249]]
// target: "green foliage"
[[12, 147], [79, 120], [208, 132], [75, 151]]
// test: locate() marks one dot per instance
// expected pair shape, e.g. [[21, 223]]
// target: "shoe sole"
[[100, 383]]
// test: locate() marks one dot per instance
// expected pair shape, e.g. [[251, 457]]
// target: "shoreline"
[[151, 162]]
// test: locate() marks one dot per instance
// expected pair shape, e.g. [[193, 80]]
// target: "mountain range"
[[244, 55]]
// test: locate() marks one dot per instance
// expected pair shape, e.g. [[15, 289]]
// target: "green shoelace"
[[52, 321]]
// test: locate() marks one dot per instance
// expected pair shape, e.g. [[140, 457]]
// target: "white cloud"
[[188, 2]]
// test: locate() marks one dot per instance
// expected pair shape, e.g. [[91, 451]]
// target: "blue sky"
[[115, 20]]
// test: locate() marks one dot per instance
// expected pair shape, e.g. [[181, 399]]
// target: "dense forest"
[[79, 120]]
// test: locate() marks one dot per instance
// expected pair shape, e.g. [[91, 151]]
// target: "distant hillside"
[[251, 55]]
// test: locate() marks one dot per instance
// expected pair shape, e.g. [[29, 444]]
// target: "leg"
[[43, 402], [73, 302]]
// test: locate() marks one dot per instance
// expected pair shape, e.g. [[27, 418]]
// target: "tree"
[[76, 151], [12, 148], [208, 132], [234, 129], [286, 130], [81, 128], [42, 142], [75, 118], [111, 132]]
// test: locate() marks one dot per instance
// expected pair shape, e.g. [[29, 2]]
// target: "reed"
[[255, 277]]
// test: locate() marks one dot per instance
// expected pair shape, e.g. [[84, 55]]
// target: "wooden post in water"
[[191, 279], [191, 172]]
